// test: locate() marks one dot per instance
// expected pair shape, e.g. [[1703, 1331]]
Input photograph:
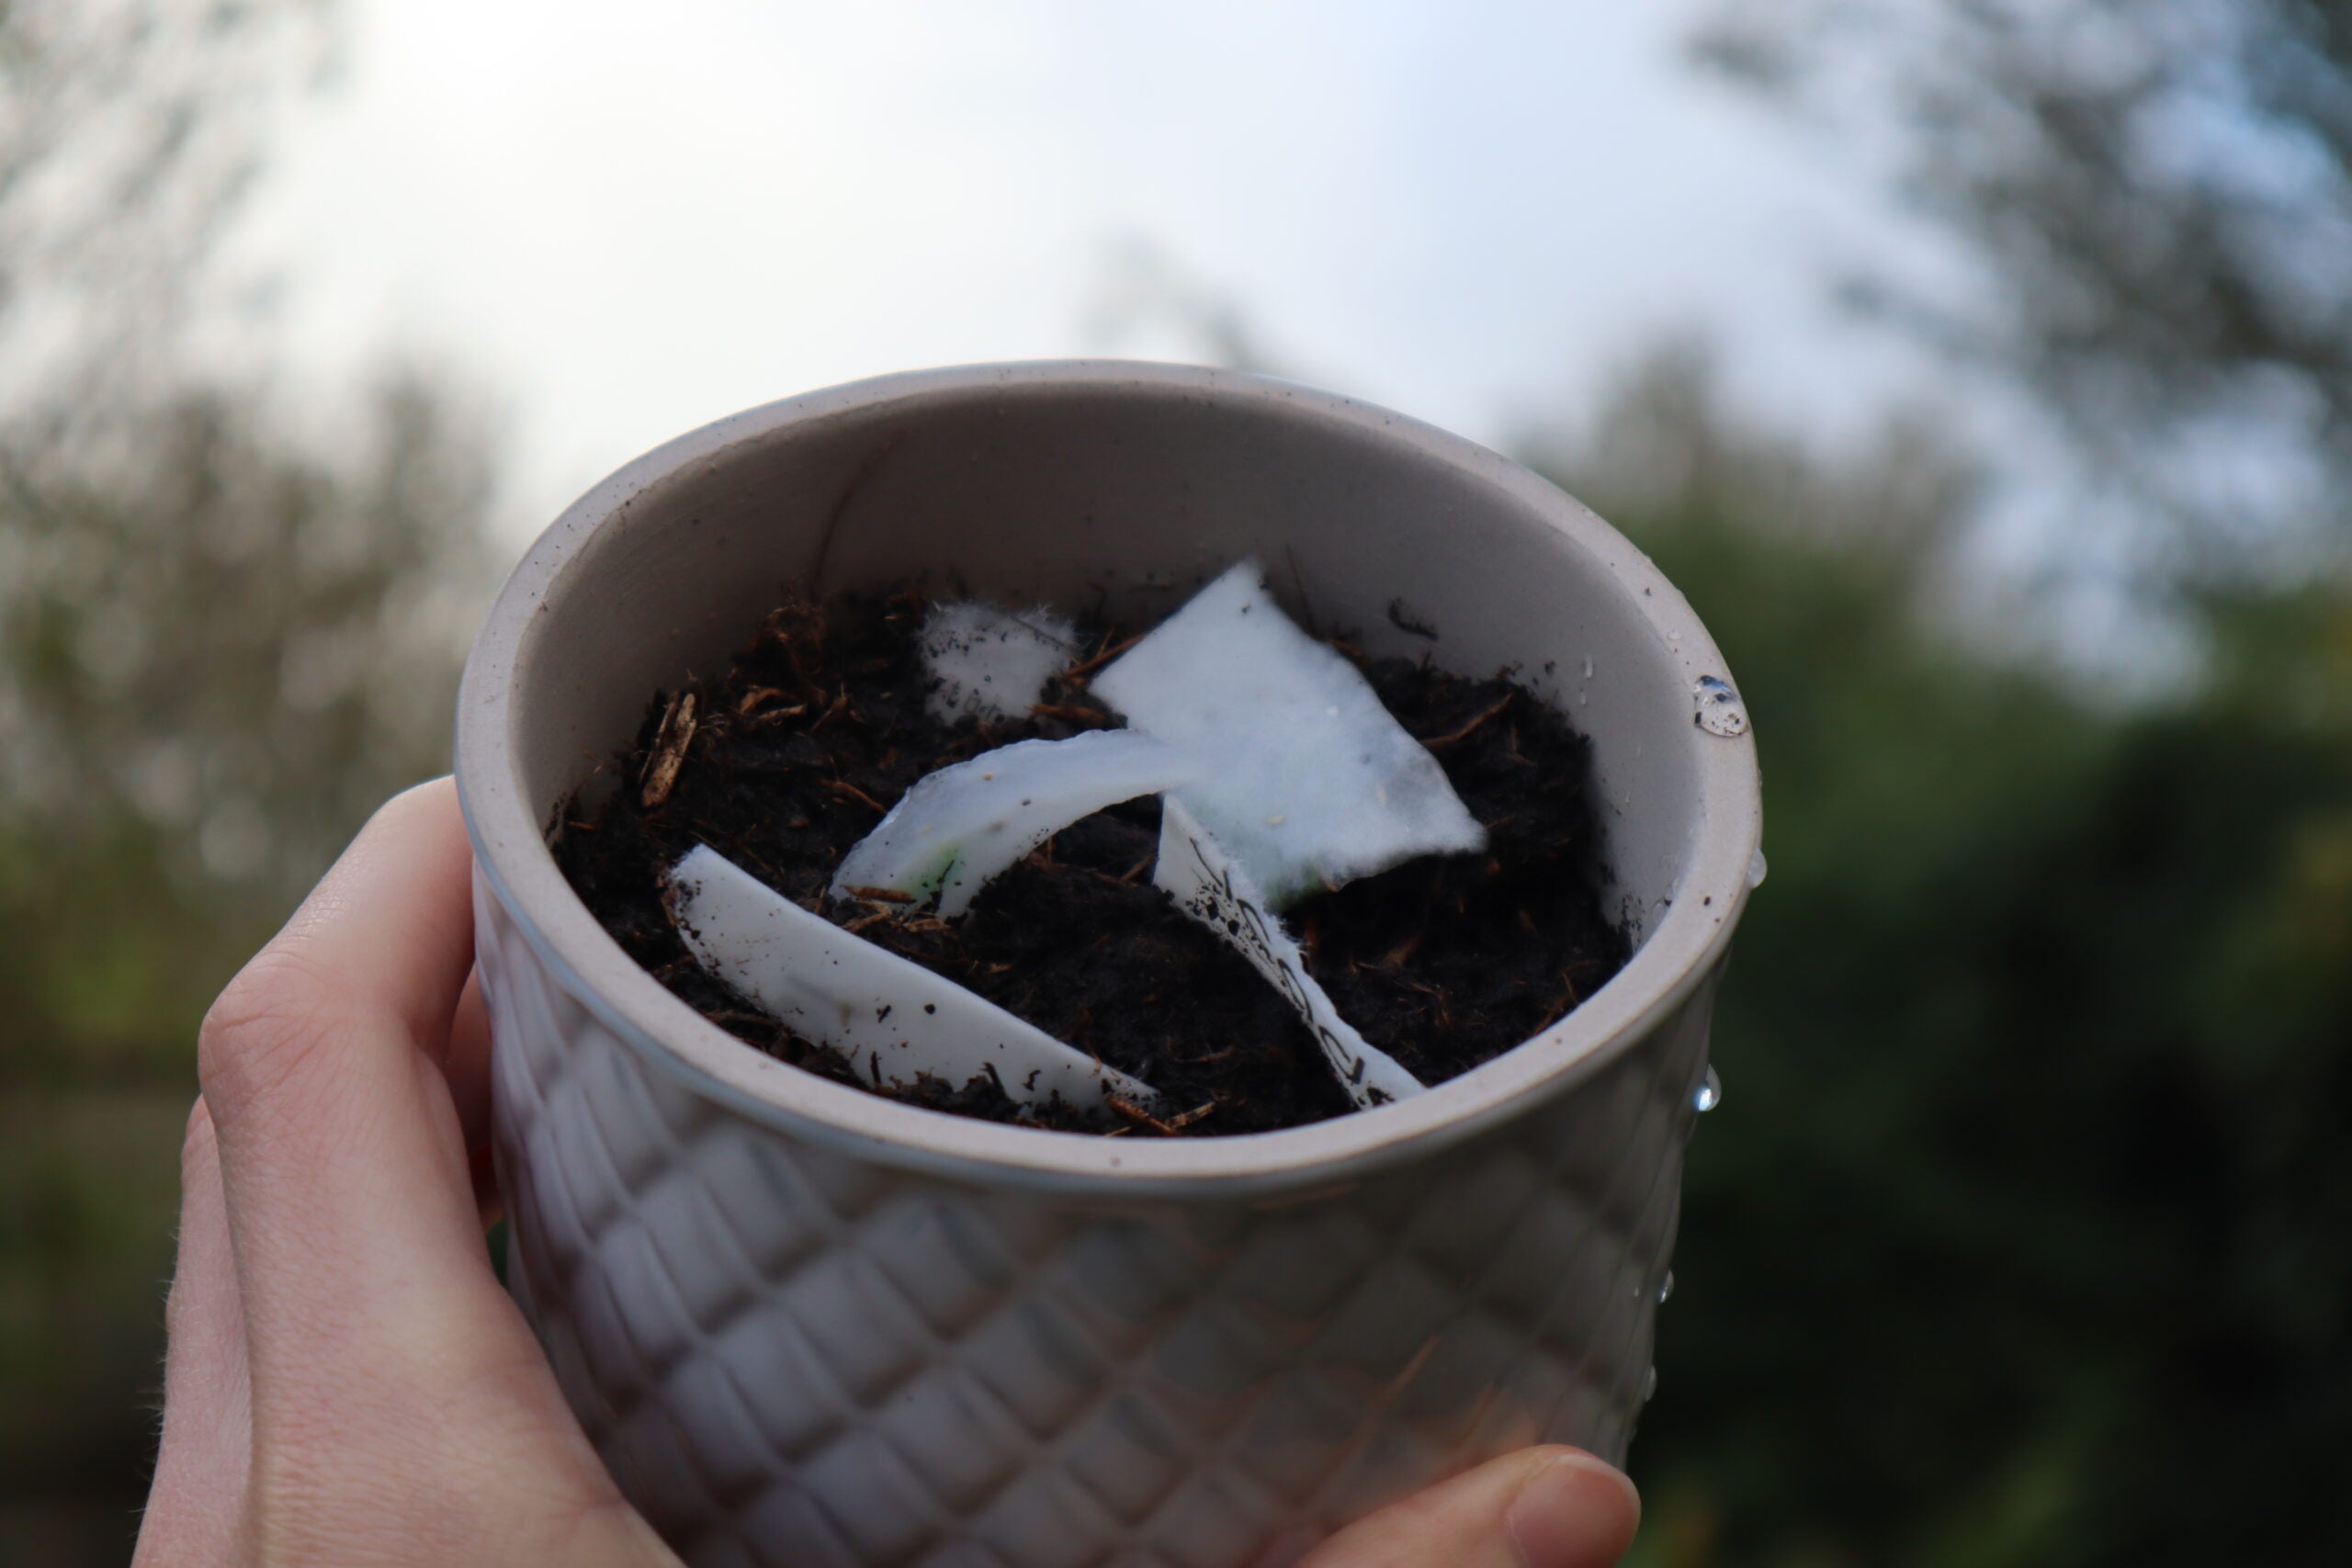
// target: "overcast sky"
[[623, 221]]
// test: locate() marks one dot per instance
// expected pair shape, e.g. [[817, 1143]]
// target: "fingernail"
[[1575, 1512]]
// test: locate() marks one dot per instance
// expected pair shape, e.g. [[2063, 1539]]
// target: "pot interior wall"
[[1072, 495]]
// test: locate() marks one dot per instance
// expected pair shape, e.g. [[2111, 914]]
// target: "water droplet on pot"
[[1721, 712], [1649, 1386], [1666, 1288], [1588, 665], [1756, 869], [1711, 1093]]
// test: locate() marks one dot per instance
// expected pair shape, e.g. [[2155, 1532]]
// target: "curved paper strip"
[[892, 1018], [961, 826], [1311, 781], [989, 663], [1213, 888]]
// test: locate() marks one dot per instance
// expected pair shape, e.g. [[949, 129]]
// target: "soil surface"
[[791, 757]]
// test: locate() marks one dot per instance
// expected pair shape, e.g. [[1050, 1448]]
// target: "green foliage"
[[2019, 1236], [218, 650]]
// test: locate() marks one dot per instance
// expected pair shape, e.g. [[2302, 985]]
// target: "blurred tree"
[[220, 650], [2042, 1209], [2157, 197], [2019, 1239], [223, 637], [128, 130]]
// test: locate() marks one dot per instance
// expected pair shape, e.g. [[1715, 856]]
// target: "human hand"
[[348, 1382]]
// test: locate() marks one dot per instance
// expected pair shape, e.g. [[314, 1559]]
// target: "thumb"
[[1549, 1507]]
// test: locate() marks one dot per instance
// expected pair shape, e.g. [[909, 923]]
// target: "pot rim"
[[1681, 952]]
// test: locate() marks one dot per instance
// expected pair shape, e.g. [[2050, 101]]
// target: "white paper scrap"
[[1213, 888], [1309, 781], [989, 663], [892, 1017], [961, 826]]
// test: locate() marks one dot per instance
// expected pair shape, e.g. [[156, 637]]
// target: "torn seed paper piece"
[[989, 663], [892, 1018], [962, 825], [1309, 781], [1215, 890]]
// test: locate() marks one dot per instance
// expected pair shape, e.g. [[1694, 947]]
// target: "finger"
[[343, 1160], [396, 1392], [1549, 1507], [195, 1507]]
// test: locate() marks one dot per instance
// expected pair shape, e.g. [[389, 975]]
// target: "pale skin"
[[348, 1382]]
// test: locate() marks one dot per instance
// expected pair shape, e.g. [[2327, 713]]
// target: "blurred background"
[[1982, 371]]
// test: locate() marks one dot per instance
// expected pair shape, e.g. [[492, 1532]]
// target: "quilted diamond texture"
[[788, 1356]]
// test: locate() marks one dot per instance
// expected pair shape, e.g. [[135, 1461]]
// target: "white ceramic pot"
[[810, 1327]]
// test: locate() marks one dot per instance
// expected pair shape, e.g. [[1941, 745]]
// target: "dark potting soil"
[[791, 757]]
